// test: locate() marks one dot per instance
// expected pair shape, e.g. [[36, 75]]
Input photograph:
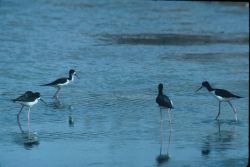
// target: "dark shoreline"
[[176, 39]]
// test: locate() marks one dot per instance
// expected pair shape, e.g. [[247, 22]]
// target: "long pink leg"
[[219, 111], [29, 121], [161, 121], [170, 130], [56, 94], [234, 110]]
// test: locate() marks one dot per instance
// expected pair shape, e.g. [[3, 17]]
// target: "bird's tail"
[[45, 84], [238, 96], [13, 100]]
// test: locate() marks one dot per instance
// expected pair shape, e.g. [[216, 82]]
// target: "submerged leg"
[[219, 111], [56, 94], [170, 128], [29, 122], [170, 117], [234, 110], [18, 119], [161, 121], [218, 122]]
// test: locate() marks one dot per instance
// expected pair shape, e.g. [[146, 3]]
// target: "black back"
[[224, 93], [28, 96], [56, 82], [219, 92], [23, 96], [163, 100], [61, 80]]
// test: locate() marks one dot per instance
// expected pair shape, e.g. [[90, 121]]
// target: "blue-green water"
[[121, 50]]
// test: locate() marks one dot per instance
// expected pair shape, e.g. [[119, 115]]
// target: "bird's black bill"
[[198, 89], [43, 101], [77, 76]]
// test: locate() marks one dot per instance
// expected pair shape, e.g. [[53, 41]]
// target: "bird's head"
[[160, 87], [73, 73], [28, 92], [38, 96], [204, 84]]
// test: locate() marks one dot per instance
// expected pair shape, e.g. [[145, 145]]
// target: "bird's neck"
[[71, 77], [209, 88], [160, 92]]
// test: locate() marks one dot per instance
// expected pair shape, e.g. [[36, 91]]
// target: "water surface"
[[121, 50]]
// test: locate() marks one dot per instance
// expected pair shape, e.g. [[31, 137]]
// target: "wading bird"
[[164, 103], [222, 95], [62, 82], [28, 99]]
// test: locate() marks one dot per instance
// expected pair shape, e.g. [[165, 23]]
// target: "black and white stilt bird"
[[28, 99], [62, 82], [164, 103], [222, 95]]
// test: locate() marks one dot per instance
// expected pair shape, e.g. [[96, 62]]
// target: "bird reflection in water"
[[57, 104], [30, 140], [161, 158], [220, 140], [71, 119], [27, 139]]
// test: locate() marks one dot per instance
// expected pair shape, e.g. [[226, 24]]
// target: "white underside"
[[171, 103], [164, 108], [63, 84], [29, 104], [219, 97]]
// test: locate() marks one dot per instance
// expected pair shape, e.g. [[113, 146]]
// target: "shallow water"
[[121, 51]]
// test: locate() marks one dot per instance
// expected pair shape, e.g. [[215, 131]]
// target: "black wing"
[[164, 101], [58, 81], [24, 97], [224, 93]]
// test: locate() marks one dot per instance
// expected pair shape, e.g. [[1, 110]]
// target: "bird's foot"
[[56, 97]]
